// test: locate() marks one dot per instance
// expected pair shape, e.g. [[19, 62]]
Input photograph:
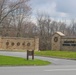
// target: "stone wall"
[[63, 43], [18, 43], [68, 44], [55, 42]]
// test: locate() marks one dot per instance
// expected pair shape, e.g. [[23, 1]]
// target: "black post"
[[27, 55], [33, 55]]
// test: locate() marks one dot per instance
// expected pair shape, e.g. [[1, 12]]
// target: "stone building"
[[18, 43], [61, 42]]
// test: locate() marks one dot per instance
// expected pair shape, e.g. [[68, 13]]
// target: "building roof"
[[60, 33]]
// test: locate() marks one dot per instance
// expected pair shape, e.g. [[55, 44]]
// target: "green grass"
[[57, 54], [16, 61]]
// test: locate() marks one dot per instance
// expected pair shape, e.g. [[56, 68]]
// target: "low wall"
[[18, 43], [68, 44], [61, 42]]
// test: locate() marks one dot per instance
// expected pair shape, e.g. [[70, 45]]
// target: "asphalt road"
[[58, 66]]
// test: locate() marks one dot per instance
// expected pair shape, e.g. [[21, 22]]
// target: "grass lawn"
[[57, 54], [16, 61]]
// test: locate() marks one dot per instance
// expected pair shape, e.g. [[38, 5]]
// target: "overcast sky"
[[55, 8]]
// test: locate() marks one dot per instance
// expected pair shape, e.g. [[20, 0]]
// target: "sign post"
[[30, 53]]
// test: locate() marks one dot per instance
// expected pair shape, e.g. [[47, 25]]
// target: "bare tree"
[[43, 23], [14, 12]]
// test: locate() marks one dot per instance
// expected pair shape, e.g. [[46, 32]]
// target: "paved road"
[[58, 66]]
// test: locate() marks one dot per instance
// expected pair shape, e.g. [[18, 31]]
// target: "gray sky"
[[55, 8]]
